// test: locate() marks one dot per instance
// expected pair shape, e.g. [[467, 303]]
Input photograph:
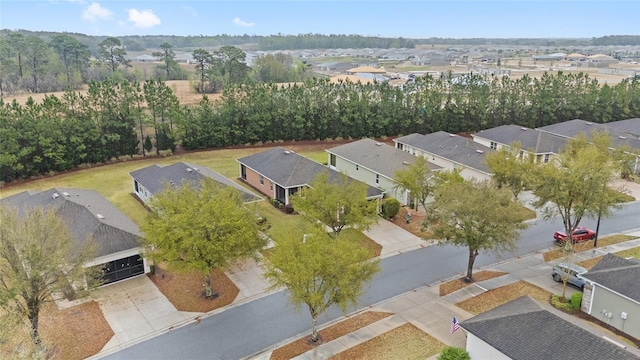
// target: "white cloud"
[[95, 12], [143, 18], [191, 11], [239, 22]]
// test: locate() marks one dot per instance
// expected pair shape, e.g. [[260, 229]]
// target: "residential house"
[[523, 330], [373, 163], [602, 59], [152, 179], [549, 57], [619, 139], [612, 293], [575, 57], [540, 144], [88, 215], [280, 173], [629, 126], [145, 58], [449, 151]]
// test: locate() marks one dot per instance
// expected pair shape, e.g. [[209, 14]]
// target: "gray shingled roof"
[[533, 140], [452, 147], [80, 210], [155, 177], [523, 330], [572, 128], [288, 169], [378, 157], [629, 126], [617, 274]]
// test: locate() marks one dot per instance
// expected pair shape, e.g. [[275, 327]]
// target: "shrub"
[[390, 208], [560, 303], [288, 209], [165, 153], [576, 301], [453, 353]]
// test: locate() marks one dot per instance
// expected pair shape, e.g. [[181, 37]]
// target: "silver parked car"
[[571, 272]]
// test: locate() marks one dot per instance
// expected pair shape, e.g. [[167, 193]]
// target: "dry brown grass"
[[588, 264], [587, 245], [332, 332], [457, 284], [181, 88], [495, 297], [74, 333], [186, 290], [404, 342]]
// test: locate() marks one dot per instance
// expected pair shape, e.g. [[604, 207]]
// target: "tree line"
[[113, 118]]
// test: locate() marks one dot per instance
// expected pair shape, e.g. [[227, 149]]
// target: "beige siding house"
[[373, 163], [449, 151], [612, 293]]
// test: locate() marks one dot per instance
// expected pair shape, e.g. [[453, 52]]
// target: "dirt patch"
[[415, 224], [495, 297], [332, 332], [403, 342], [457, 284], [186, 290], [74, 333], [181, 89]]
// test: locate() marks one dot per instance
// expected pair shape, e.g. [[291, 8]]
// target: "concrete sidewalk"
[[433, 314], [136, 310]]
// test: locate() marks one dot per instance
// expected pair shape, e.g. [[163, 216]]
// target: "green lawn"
[[114, 183], [633, 252]]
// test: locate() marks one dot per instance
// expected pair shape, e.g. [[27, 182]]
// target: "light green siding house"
[[373, 163], [612, 293]]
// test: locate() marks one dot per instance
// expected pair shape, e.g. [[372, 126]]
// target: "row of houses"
[[89, 215]]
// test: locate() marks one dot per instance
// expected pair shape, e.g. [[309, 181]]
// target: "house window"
[[546, 158], [261, 180], [494, 145], [135, 183], [377, 179], [332, 160], [243, 172], [271, 185]]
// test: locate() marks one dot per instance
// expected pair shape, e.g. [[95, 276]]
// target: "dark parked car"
[[571, 272], [580, 234]]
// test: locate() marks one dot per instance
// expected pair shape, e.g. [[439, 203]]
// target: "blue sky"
[[414, 19]]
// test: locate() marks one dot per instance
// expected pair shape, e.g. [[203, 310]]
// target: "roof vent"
[[452, 135], [196, 169], [378, 144], [189, 169], [622, 137], [523, 128], [66, 194], [100, 216], [479, 151], [589, 123], [287, 152], [405, 162], [55, 195]]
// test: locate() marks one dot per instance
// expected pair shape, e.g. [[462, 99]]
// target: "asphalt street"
[[249, 328]]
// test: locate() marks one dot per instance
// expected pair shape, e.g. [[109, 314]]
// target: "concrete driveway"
[[135, 309]]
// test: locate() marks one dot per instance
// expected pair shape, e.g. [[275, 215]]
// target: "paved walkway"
[[136, 310], [433, 314]]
